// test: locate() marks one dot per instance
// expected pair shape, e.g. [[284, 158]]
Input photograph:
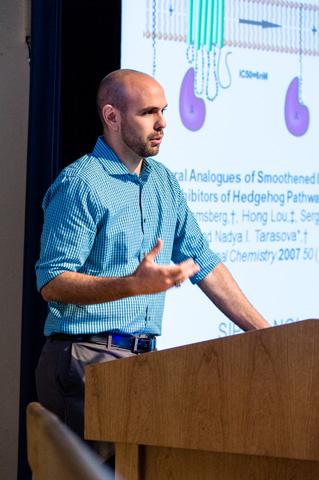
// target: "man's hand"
[[151, 277]]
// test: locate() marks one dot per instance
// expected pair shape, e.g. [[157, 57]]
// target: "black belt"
[[136, 344]]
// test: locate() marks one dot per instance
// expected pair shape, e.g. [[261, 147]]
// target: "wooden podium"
[[236, 408]]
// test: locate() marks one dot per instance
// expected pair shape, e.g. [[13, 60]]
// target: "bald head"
[[114, 89], [131, 105]]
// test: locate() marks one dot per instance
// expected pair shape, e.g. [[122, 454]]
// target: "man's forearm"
[[82, 289], [221, 288], [148, 278]]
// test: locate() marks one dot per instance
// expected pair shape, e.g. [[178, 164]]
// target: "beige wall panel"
[[14, 92]]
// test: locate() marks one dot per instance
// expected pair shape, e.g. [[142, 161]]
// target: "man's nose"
[[160, 122]]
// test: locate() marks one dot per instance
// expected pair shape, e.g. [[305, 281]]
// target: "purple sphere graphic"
[[191, 108], [296, 114]]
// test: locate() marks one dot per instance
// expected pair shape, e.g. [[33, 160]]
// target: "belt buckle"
[[143, 344], [135, 345]]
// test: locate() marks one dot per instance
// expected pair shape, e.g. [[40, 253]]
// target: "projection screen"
[[241, 78]]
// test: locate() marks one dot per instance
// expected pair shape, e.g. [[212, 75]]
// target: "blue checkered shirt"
[[100, 219]]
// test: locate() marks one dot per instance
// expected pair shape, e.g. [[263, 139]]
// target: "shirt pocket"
[[114, 239], [117, 250], [117, 220]]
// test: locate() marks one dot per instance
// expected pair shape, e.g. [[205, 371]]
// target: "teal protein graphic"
[[206, 23], [205, 37]]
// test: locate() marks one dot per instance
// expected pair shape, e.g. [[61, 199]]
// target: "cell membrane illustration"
[[210, 28], [269, 25]]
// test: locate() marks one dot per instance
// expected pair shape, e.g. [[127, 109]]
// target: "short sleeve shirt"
[[100, 219]]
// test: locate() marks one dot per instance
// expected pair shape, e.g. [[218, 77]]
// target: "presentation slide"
[[241, 79]]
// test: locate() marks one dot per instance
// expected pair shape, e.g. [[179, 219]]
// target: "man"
[[114, 220]]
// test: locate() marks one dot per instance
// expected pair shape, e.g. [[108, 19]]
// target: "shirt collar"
[[113, 164]]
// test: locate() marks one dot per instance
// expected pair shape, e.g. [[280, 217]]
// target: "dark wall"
[[91, 49], [74, 44]]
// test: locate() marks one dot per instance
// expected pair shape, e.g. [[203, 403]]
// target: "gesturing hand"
[[153, 278]]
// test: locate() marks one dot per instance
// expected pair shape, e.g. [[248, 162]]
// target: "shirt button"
[[144, 220]]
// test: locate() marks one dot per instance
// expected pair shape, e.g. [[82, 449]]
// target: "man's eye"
[[153, 111]]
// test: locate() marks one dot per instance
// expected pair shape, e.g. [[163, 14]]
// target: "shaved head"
[[131, 106], [113, 89]]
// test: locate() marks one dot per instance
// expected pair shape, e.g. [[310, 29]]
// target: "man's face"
[[143, 123]]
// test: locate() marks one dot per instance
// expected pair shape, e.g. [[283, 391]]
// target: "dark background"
[[74, 44]]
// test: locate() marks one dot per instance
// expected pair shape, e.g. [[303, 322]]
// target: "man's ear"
[[111, 117]]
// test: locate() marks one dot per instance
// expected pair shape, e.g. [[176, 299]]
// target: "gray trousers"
[[60, 377]]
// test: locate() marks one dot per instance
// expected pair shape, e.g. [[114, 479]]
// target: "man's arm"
[[221, 288], [149, 277]]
